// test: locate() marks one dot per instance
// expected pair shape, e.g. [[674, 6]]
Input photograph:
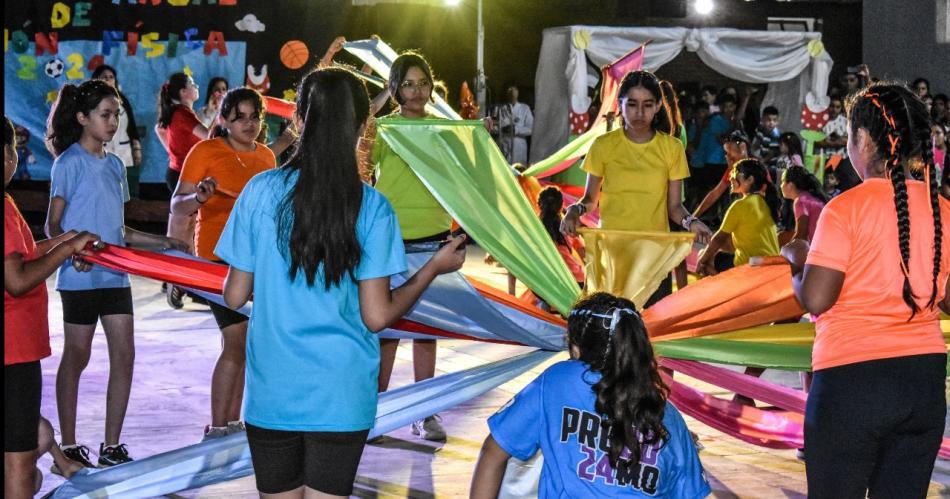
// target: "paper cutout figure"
[[258, 81], [54, 68], [250, 23], [294, 54]]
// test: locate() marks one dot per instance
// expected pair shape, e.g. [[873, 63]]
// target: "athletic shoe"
[[430, 428], [236, 427], [174, 295], [78, 453], [113, 455], [212, 432]]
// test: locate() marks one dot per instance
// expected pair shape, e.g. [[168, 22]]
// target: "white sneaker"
[[236, 427], [430, 428], [212, 432]]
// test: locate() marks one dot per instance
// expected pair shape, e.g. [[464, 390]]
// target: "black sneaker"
[[174, 296], [78, 453], [113, 455]]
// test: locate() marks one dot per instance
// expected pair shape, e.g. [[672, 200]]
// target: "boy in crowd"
[[765, 144]]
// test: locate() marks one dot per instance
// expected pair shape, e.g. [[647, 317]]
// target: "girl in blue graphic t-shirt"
[[601, 420]]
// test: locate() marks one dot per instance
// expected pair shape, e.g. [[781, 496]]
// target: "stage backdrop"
[[48, 44]]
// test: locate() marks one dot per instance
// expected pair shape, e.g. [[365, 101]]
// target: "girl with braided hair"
[[876, 274], [601, 420]]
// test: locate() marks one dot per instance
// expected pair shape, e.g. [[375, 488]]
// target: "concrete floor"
[[176, 351]]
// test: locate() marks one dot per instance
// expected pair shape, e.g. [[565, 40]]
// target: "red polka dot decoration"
[[578, 122], [812, 120]]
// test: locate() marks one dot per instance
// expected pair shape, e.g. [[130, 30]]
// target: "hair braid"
[[903, 232], [934, 195]]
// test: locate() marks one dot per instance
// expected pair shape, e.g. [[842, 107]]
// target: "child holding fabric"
[[312, 237]]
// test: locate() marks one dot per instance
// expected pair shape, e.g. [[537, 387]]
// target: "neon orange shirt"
[[232, 170], [857, 235]]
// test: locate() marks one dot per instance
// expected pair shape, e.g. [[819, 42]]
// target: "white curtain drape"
[[794, 64]]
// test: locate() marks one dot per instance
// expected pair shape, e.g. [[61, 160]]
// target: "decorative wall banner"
[[32, 79]]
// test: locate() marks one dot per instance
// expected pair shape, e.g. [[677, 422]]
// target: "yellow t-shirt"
[[419, 213], [750, 223], [636, 179]]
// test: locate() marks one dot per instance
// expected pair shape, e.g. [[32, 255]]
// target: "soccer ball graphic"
[[54, 68]]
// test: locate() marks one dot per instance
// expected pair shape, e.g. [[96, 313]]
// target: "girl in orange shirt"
[[875, 275], [212, 176]]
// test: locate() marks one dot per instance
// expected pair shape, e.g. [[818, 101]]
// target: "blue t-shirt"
[[95, 190], [312, 365], [710, 151], [556, 413]]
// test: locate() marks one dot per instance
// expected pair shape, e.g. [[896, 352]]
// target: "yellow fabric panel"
[[632, 264]]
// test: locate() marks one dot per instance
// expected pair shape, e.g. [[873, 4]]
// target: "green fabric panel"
[[574, 148], [465, 171], [741, 353]]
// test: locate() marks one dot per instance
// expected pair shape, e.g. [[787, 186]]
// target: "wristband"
[[582, 208], [198, 200], [687, 221]]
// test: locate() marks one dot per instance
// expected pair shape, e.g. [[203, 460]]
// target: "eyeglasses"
[[421, 86]]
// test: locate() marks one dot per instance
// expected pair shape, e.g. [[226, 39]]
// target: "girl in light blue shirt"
[[317, 247]]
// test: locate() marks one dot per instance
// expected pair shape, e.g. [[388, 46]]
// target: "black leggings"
[[875, 427]]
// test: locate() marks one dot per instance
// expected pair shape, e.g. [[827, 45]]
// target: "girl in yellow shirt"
[[749, 222]]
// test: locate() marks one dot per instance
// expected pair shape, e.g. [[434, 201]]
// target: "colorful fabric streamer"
[[632, 264], [228, 458], [462, 167]]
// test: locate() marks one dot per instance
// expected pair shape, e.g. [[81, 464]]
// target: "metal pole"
[[480, 63]]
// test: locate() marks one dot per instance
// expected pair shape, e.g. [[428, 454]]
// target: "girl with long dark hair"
[[876, 277], [808, 197], [635, 173], [601, 420], [178, 129], [317, 247], [88, 192], [551, 203], [749, 222]]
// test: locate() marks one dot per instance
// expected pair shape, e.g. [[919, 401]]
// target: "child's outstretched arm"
[[489, 471], [20, 276], [705, 264], [380, 306], [140, 238]]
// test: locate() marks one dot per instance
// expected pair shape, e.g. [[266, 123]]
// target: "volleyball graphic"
[[294, 54]]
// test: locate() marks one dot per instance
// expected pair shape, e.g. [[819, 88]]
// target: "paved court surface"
[[176, 351]]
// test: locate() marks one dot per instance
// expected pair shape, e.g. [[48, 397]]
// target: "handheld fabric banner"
[[463, 168], [632, 263], [380, 56], [228, 458]]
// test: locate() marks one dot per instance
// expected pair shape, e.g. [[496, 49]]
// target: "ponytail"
[[898, 123], [630, 395], [550, 201], [62, 127], [168, 97], [753, 168], [805, 181]]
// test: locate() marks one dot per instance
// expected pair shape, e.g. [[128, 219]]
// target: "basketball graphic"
[[294, 54]]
